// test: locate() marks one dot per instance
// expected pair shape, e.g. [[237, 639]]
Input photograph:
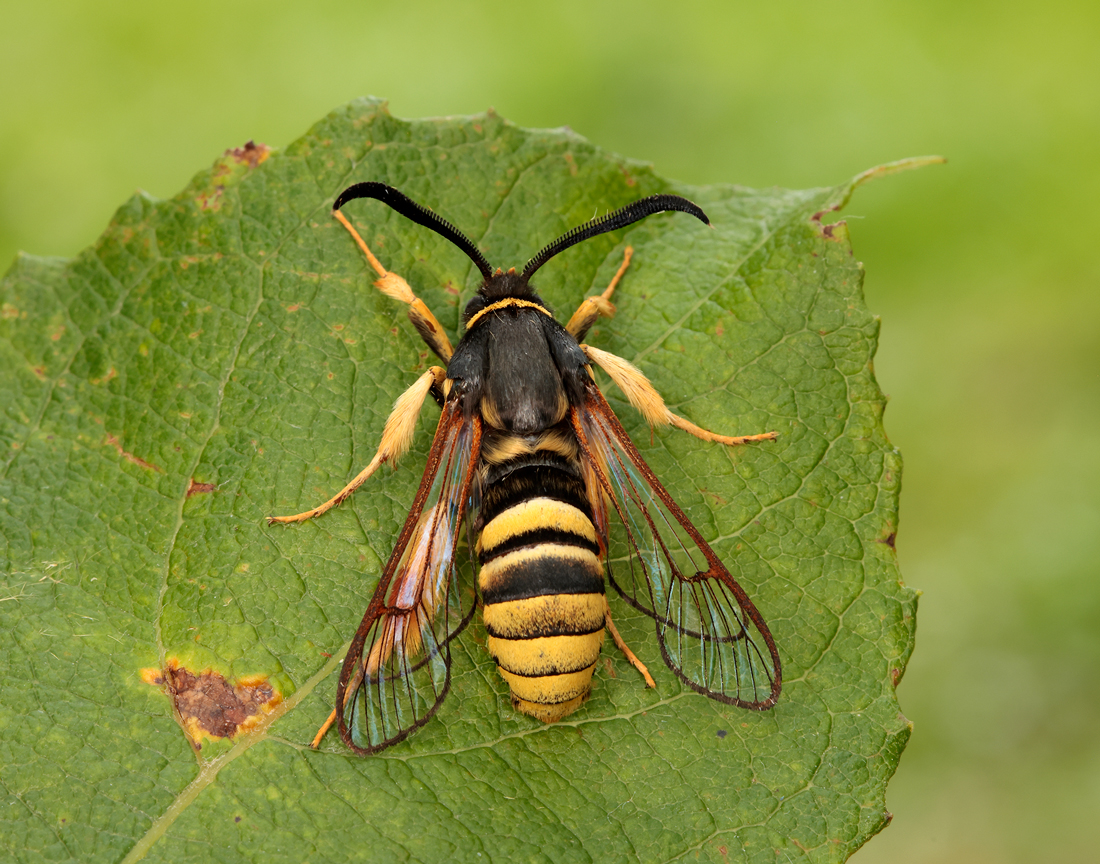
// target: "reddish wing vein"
[[398, 668], [711, 635]]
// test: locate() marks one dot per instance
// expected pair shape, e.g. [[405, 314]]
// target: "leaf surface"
[[222, 356]]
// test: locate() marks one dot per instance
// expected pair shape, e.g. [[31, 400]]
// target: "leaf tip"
[[896, 167]]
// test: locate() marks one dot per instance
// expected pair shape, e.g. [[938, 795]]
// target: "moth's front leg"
[[392, 285], [592, 308], [396, 438]]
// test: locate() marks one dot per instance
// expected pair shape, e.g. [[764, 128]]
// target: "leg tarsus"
[[324, 728], [349, 694], [622, 646], [396, 438], [706, 435], [338, 498], [374, 262], [592, 308], [628, 253]]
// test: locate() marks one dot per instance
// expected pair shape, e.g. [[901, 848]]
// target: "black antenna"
[[417, 213], [620, 218]]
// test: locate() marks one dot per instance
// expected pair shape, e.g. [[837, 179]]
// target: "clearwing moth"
[[530, 456]]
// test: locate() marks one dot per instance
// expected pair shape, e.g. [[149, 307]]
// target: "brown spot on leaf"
[[572, 164], [207, 705], [209, 201], [252, 153], [293, 307], [890, 539], [8, 311], [58, 333], [130, 457], [199, 488], [718, 499], [895, 676]]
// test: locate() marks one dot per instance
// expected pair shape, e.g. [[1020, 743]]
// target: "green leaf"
[[229, 343]]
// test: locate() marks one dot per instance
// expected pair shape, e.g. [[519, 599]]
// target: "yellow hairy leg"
[[644, 397], [396, 438]]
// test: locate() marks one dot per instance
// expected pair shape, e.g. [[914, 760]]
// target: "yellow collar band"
[[502, 304]]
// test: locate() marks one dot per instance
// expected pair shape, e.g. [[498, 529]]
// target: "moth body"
[[541, 574]]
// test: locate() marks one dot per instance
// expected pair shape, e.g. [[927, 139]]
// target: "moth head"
[[501, 285]]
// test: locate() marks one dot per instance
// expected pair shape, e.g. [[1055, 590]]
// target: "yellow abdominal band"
[[544, 603]]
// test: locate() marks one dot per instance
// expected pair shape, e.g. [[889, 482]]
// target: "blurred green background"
[[985, 273]]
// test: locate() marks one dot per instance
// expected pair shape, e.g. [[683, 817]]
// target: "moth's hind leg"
[[396, 438], [622, 646], [593, 307], [394, 286], [349, 694], [644, 396]]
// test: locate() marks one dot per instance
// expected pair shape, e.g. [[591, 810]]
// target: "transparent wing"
[[711, 635], [398, 668]]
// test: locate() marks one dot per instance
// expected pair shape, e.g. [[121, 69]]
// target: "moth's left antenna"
[[419, 214]]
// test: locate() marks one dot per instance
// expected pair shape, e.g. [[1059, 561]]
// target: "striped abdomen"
[[541, 582]]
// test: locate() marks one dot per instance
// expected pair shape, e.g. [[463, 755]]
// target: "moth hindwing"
[[529, 455]]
